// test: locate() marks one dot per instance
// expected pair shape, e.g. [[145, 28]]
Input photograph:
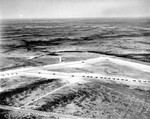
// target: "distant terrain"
[[127, 38]]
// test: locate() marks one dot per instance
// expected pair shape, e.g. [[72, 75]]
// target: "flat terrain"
[[103, 87], [75, 69]]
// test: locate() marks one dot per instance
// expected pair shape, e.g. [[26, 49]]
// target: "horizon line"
[[147, 17]]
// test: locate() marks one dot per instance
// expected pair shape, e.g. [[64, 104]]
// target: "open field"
[[80, 88], [90, 100], [105, 67], [28, 91], [75, 69]]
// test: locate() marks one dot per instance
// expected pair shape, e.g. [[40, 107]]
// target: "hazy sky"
[[73, 8]]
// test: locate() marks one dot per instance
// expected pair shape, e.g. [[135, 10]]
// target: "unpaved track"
[[41, 113], [118, 61], [72, 76], [46, 95], [47, 74], [65, 76]]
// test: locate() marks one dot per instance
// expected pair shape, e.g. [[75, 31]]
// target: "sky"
[[73, 8]]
